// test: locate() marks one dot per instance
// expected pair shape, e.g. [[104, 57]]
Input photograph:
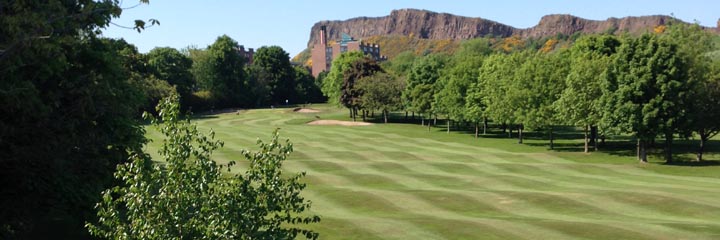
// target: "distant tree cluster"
[[661, 84]]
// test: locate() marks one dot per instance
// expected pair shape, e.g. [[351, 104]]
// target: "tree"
[[272, 67], [422, 97], [172, 66], [495, 77], [140, 74], [381, 91], [332, 84], [646, 91], [705, 108], [401, 64], [536, 86], [420, 89], [222, 73], [351, 95], [66, 115], [695, 45], [306, 88], [579, 102], [461, 72], [189, 198]]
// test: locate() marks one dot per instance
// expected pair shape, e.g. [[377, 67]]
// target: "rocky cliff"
[[432, 25]]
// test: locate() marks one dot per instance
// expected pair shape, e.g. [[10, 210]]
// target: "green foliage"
[[271, 67], [461, 73], [646, 91], [306, 88], [351, 95], [420, 88], [172, 66], [536, 86], [332, 84], [422, 98], [495, 84], [401, 64], [705, 107], [381, 91], [188, 197], [394, 45], [220, 70], [67, 110], [579, 103], [142, 76]]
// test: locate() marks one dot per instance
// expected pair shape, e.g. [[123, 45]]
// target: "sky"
[[287, 23]]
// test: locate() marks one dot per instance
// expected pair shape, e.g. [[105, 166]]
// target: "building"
[[247, 54], [324, 53]]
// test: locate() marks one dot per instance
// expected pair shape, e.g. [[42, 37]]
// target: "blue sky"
[[287, 23]]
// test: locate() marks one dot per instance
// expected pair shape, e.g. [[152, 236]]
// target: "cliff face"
[[420, 23], [431, 25], [551, 25]]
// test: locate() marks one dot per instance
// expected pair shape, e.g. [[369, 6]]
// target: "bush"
[[188, 197]]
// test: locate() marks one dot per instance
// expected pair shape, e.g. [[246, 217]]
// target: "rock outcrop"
[[551, 25], [420, 23], [432, 25]]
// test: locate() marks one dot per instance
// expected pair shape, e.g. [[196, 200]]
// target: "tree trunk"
[[595, 147], [364, 114], [503, 127], [510, 132], [477, 127], [385, 113], [638, 149], [552, 139], [413, 115], [428, 125], [520, 136], [641, 151], [703, 138], [422, 120], [586, 139], [406, 115], [435, 120], [668, 147], [353, 113], [372, 114], [593, 134], [448, 126], [485, 126]]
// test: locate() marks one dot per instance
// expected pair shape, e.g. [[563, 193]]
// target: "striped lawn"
[[399, 181]]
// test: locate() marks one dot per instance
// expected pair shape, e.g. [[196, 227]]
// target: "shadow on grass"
[[693, 163], [624, 145], [200, 117]]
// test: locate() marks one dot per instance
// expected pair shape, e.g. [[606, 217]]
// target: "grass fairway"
[[400, 181]]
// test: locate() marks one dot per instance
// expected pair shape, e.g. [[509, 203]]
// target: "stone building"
[[324, 53], [247, 54]]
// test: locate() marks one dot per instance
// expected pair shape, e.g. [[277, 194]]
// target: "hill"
[[416, 26]]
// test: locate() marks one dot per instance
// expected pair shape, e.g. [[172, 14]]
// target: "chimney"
[[323, 35]]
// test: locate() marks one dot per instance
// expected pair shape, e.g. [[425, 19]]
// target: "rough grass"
[[401, 181]]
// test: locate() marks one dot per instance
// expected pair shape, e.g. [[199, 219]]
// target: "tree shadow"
[[693, 163], [204, 116], [684, 150]]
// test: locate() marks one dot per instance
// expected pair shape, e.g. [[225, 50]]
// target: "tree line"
[[664, 84], [219, 76]]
